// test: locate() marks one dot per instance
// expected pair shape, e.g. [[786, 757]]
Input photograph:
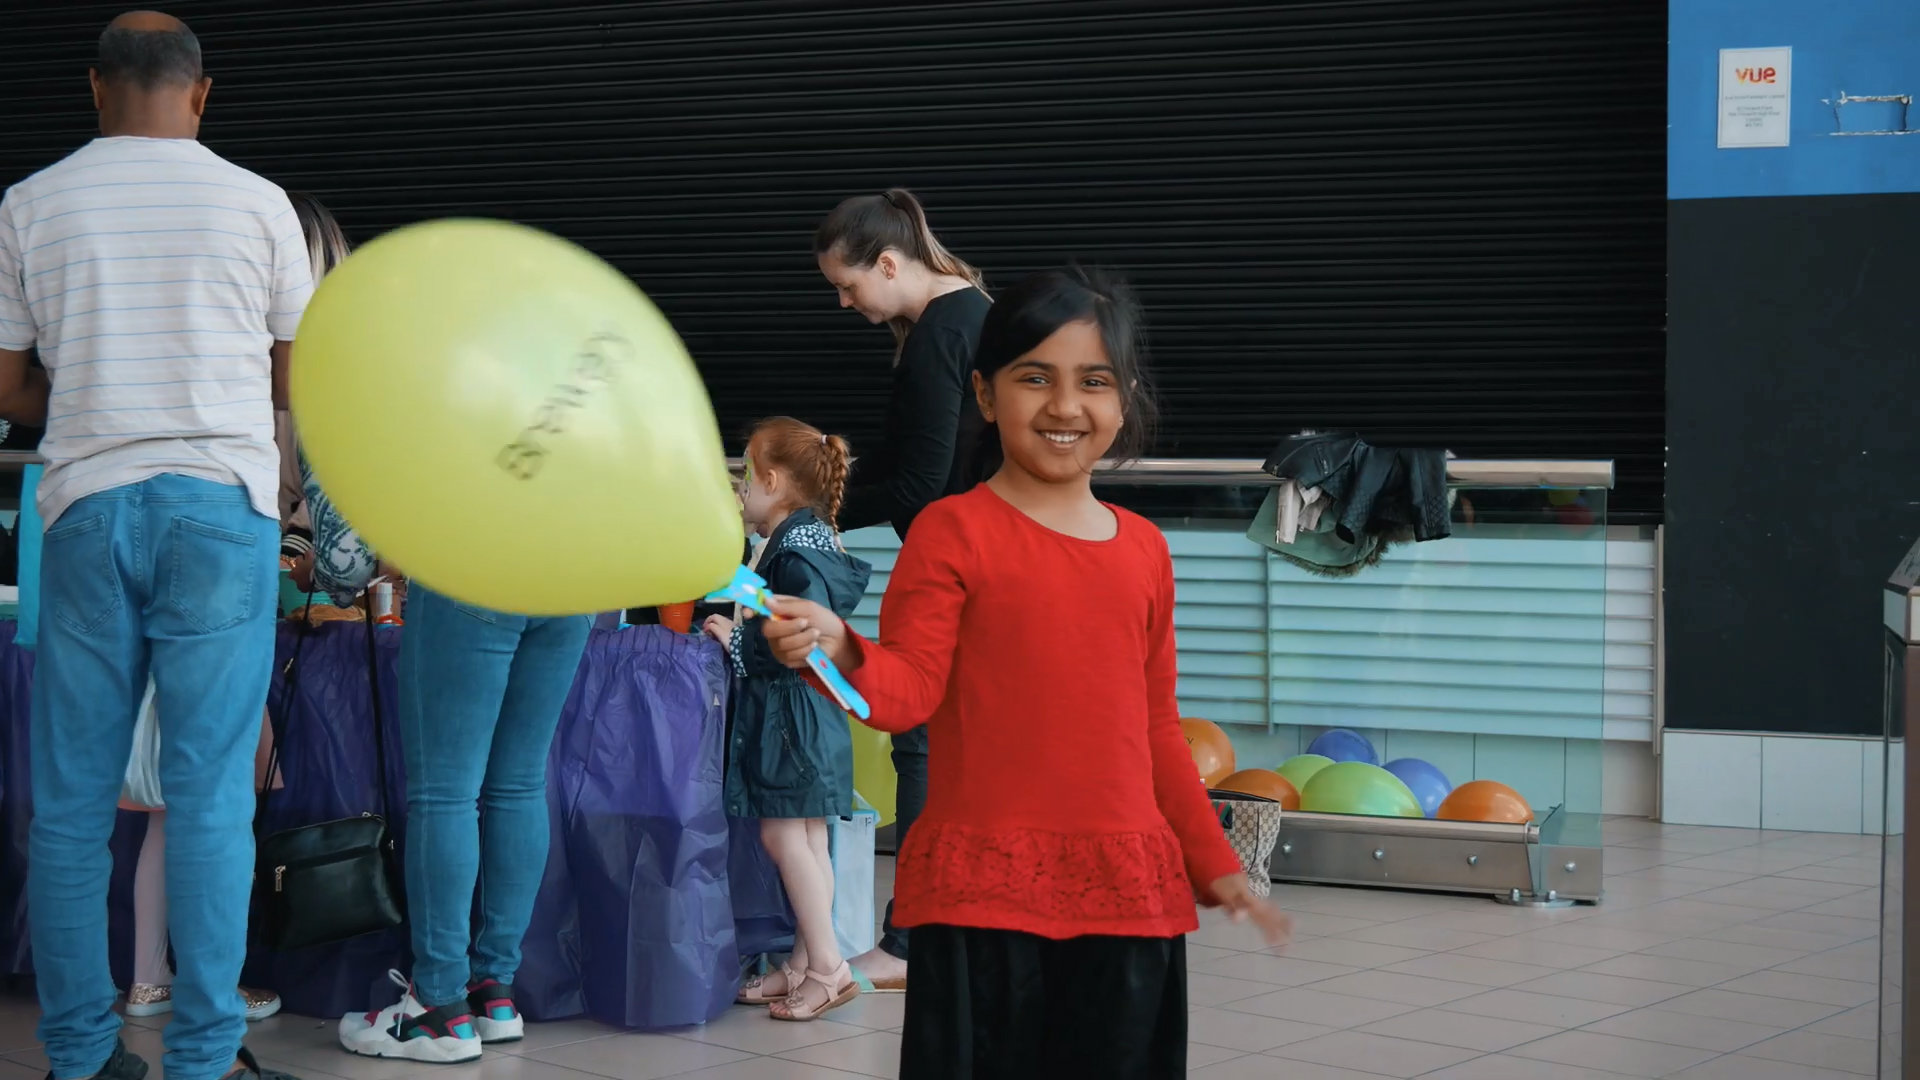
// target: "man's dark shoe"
[[123, 1065]]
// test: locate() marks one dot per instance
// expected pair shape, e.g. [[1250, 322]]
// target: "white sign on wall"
[[1755, 85]]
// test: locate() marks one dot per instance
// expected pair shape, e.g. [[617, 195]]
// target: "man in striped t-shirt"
[[162, 286]]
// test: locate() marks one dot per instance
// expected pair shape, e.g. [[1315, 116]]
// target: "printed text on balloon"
[[593, 368]]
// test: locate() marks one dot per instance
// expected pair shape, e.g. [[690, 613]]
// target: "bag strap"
[[379, 718], [287, 700], [303, 629]]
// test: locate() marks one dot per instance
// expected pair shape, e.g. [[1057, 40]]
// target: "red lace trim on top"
[[1105, 883]]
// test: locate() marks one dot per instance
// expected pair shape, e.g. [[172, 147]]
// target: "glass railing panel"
[[1510, 651], [1896, 700]]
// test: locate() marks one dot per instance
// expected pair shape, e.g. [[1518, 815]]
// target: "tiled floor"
[[1718, 953]]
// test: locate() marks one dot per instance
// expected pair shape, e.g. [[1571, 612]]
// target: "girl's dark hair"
[[859, 229], [1036, 307]]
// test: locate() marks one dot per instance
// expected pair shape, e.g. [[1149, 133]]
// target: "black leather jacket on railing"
[[1374, 491]]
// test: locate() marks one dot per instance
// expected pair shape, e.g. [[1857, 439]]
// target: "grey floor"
[[1718, 953]]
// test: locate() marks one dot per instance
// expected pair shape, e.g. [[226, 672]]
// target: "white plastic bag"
[[143, 765], [850, 842]]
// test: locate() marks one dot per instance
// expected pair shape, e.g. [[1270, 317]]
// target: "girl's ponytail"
[[927, 247], [836, 464], [819, 464], [861, 228]]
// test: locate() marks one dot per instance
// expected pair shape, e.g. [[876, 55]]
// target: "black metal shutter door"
[[1435, 222]]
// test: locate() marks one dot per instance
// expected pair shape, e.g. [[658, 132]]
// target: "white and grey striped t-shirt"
[[154, 276]]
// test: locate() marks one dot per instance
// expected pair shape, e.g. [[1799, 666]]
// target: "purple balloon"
[[1341, 744], [1428, 784]]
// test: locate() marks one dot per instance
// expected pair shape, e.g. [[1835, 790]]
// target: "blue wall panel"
[[1861, 47]]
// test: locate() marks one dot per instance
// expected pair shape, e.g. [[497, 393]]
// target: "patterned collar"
[[804, 531]]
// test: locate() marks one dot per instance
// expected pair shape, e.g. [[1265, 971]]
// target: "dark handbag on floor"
[[338, 879]]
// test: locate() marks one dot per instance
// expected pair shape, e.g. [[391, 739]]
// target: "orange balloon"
[[1212, 750], [1484, 800], [1265, 783]]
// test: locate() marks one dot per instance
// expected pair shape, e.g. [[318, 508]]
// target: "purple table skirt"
[[635, 922]]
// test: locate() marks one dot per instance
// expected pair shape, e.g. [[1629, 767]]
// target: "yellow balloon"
[[507, 418], [873, 775]]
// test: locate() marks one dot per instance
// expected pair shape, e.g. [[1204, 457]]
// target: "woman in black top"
[[886, 264]]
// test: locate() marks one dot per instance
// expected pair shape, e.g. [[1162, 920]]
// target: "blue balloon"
[[1343, 745], [1428, 784]]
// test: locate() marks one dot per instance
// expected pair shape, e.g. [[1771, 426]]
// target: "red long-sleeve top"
[[1062, 799]]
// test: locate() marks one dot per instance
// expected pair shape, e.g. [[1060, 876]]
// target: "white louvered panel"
[[1527, 636]]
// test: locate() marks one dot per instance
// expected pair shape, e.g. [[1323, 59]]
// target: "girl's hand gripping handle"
[[807, 637]]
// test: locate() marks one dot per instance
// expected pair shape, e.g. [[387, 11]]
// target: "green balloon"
[[1300, 768], [1355, 787]]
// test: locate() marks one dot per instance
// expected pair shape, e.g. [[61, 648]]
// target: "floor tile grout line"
[[1237, 1054], [1763, 914], [1790, 1031], [1779, 1032], [1684, 991], [782, 1056], [1722, 987], [1557, 1034], [858, 1033], [609, 1076]]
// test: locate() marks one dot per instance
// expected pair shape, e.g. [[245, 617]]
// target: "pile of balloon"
[[1341, 774]]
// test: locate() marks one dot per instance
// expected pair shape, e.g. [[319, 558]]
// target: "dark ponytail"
[[1030, 313], [861, 228]]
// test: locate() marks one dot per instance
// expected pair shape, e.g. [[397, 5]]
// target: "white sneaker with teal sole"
[[408, 1029], [494, 1012]]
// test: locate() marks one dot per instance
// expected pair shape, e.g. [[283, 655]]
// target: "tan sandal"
[[754, 992], [841, 988]]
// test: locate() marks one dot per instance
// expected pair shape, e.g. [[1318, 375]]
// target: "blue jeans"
[[480, 696], [177, 576]]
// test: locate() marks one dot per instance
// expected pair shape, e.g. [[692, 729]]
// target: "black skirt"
[[1005, 1005]]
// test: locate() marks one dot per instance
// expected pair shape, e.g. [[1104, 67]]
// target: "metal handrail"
[[1461, 472]]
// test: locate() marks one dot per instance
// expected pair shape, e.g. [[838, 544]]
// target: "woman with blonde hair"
[[323, 553], [886, 263]]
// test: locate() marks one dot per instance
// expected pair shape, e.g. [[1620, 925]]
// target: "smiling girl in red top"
[[1030, 626]]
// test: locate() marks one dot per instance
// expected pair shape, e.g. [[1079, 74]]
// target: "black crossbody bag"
[[338, 879]]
